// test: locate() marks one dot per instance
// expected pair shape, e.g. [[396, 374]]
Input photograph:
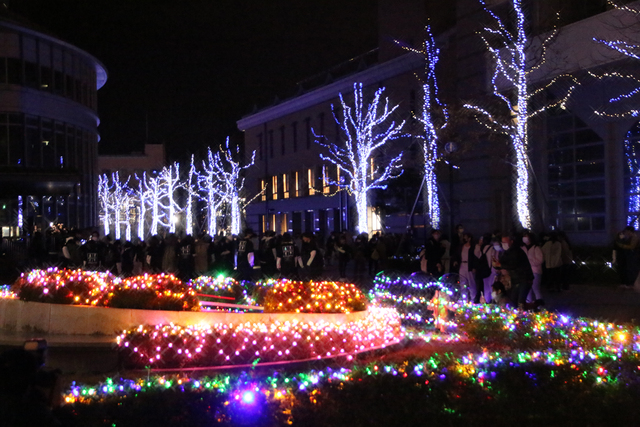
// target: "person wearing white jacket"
[[536, 258]]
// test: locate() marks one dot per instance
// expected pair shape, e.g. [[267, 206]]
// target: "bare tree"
[[516, 58], [366, 128]]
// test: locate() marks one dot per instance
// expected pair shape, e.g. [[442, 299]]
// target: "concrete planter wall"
[[59, 319]]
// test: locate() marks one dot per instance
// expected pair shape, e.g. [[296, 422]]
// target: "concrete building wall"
[[579, 171]]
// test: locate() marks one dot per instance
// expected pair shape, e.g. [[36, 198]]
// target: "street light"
[[450, 148]]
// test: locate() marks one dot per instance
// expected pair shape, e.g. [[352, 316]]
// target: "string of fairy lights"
[[365, 128], [585, 349], [514, 67], [154, 201], [225, 344]]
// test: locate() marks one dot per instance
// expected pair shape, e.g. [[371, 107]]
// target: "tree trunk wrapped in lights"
[[625, 105], [516, 58], [223, 177], [365, 129], [434, 117], [170, 180]]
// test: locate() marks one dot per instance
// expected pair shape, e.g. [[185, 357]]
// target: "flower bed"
[[171, 346], [100, 289], [310, 297], [62, 286]]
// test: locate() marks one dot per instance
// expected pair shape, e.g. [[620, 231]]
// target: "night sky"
[[194, 67]]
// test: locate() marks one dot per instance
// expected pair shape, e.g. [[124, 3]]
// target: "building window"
[[310, 180], [307, 131], [282, 140], [321, 124], [372, 169], [285, 186], [263, 190], [296, 183], [271, 144], [274, 187], [294, 136], [284, 225], [575, 174], [325, 180]]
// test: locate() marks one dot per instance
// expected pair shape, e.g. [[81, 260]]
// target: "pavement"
[[602, 302]]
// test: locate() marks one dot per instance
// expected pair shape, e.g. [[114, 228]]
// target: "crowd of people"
[[301, 256], [506, 269]]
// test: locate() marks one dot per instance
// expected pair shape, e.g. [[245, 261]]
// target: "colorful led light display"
[[172, 346], [311, 297]]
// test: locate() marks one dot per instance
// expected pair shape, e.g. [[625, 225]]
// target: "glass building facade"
[[48, 131]]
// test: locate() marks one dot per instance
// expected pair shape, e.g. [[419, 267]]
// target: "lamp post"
[[450, 148]]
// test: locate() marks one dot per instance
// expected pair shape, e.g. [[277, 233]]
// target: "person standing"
[[483, 266], [433, 252], [170, 254], [457, 240], [202, 254], [514, 260], [287, 258], [344, 255], [268, 254], [311, 257], [552, 254], [92, 253], [359, 256], [628, 248], [465, 263], [186, 258], [534, 253], [245, 255]]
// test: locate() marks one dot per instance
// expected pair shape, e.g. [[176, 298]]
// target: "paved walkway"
[[607, 302]]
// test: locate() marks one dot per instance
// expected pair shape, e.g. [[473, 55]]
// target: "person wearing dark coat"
[[516, 263], [312, 262], [246, 255], [433, 252], [186, 258]]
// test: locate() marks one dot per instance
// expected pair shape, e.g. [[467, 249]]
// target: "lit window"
[[312, 191], [274, 187], [325, 180], [297, 185], [372, 168], [263, 186], [285, 186]]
